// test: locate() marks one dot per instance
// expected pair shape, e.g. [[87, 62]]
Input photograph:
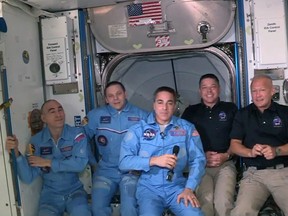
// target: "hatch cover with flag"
[[144, 13]]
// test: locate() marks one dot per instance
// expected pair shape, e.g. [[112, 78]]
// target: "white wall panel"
[[21, 51]]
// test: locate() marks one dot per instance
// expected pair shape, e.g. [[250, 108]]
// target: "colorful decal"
[[149, 134], [30, 149], [222, 116], [277, 122], [85, 121], [195, 133], [102, 140], [144, 13], [162, 41], [79, 137]]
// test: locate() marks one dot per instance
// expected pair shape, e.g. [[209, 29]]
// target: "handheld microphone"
[[171, 172]]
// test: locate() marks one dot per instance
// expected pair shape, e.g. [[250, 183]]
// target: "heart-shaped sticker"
[[188, 42], [137, 46]]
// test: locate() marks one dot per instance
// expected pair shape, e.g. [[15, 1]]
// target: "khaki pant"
[[217, 190], [255, 188]]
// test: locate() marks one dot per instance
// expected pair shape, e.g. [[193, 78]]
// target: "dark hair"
[[165, 89], [209, 75], [114, 83]]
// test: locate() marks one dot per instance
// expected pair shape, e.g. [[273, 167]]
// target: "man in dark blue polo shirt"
[[213, 120], [259, 135]]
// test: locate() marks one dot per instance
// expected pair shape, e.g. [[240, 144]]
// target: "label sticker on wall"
[[118, 31], [162, 41], [77, 121]]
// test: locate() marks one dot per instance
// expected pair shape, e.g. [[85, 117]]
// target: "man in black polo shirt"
[[213, 120], [259, 135]]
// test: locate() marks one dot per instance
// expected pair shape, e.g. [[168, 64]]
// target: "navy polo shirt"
[[270, 127], [213, 124]]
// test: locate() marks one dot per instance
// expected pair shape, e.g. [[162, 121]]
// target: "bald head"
[[52, 113], [262, 78], [45, 105]]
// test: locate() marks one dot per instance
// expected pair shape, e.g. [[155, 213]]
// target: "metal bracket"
[[161, 29], [203, 29]]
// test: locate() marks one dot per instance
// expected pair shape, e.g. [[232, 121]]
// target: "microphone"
[[171, 172], [163, 135]]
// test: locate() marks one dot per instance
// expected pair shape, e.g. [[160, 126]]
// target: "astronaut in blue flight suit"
[[149, 146], [108, 125], [58, 154]]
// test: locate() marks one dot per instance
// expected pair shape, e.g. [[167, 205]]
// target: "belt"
[[278, 166], [135, 172]]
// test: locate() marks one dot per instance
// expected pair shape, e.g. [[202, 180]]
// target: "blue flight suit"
[[108, 127], [145, 140], [62, 189]]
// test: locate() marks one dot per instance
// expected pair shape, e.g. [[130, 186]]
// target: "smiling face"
[[262, 91], [209, 90], [164, 106], [115, 96], [53, 115]]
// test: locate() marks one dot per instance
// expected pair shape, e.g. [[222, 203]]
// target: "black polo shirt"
[[213, 124], [270, 127]]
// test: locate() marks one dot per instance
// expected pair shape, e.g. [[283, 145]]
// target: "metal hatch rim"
[[212, 50]]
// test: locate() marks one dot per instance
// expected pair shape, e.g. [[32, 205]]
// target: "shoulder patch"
[[79, 137], [195, 133], [85, 121]]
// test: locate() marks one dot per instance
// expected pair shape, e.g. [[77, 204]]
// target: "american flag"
[[144, 13]]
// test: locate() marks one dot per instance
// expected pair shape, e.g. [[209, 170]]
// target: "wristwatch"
[[277, 151], [229, 156]]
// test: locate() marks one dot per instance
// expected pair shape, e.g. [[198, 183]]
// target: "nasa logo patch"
[[149, 134], [222, 116], [277, 122]]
